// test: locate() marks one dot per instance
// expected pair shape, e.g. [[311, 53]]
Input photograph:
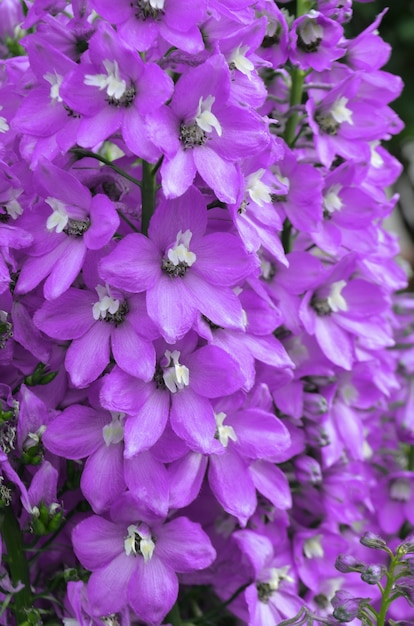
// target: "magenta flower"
[[314, 41], [183, 270], [67, 224], [184, 382], [136, 563], [201, 131], [99, 323], [113, 91], [142, 22]]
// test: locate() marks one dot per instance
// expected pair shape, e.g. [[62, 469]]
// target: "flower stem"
[[88, 153], [385, 601], [148, 195], [16, 559]]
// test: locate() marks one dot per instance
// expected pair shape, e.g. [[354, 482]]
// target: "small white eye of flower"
[[340, 111], [205, 119], [59, 218]]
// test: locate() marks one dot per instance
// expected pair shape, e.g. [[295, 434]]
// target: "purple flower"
[[98, 323], [140, 23], [183, 270], [67, 224], [202, 132], [113, 91], [136, 563], [314, 41]]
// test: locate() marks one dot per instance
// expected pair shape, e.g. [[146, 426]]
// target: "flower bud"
[[346, 607], [407, 547], [406, 588], [372, 574], [346, 563], [308, 470], [371, 540], [46, 519]]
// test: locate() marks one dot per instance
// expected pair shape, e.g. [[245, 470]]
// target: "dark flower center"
[[159, 377], [264, 591], [111, 620], [6, 329], [192, 135], [117, 318], [321, 306], [327, 123], [173, 270], [144, 10], [125, 100], [312, 46], [4, 216], [76, 228]]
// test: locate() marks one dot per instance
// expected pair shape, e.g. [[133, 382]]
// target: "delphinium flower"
[[201, 345], [135, 560]]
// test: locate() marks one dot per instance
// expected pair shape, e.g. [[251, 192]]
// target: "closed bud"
[[46, 519], [372, 574], [371, 540], [346, 607], [346, 563], [406, 588], [34, 379], [407, 547], [308, 470]]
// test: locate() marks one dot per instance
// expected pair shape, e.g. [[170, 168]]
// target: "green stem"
[[88, 153], [296, 92], [385, 601], [410, 459], [148, 195], [17, 563]]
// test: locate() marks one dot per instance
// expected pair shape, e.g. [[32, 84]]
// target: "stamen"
[[259, 192], [111, 81], [179, 257], [312, 547], [113, 433], [176, 376], [224, 433], [310, 34], [139, 541]]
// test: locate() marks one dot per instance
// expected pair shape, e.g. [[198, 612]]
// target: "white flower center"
[[180, 252], [277, 574], [55, 81], [340, 112], [105, 304], [312, 547], [224, 433], [4, 127], [139, 541], [157, 4], [176, 376], [335, 299], [240, 61], [400, 490], [111, 81], [258, 191], [205, 119], [376, 159], [331, 200], [114, 432], [59, 218], [310, 30]]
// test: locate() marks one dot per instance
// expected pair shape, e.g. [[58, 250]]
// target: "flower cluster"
[[200, 407]]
